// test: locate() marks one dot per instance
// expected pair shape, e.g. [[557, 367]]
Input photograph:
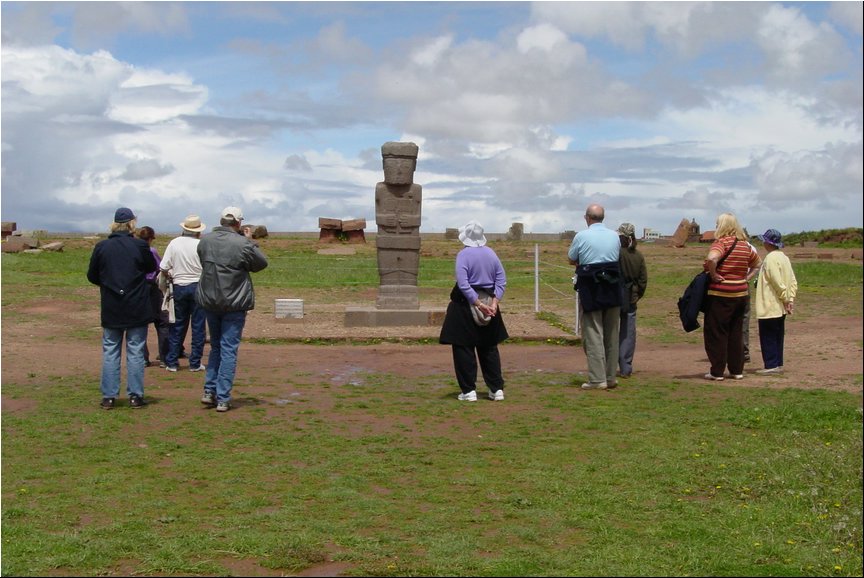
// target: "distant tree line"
[[838, 238]]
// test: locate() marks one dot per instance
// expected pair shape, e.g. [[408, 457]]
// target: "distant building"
[[651, 234]]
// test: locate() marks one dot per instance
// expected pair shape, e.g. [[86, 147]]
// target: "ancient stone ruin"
[[337, 230], [687, 231], [397, 213]]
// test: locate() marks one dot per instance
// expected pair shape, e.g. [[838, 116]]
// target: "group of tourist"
[[208, 278], [605, 264], [611, 278], [207, 286]]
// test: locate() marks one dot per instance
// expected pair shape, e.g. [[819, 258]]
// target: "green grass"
[[392, 477], [660, 478]]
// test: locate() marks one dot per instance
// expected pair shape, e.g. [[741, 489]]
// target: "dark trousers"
[[724, 334], [465, 364], [772, 334], [160, 323]]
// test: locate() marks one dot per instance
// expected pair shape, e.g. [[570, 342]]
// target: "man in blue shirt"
[[595, 252]]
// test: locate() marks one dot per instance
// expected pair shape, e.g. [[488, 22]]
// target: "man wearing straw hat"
[[183, 267]]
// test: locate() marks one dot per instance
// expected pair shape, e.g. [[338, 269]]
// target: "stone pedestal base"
[[398, 297], [372, 317]]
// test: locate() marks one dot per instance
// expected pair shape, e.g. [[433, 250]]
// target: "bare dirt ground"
[[821, 352]]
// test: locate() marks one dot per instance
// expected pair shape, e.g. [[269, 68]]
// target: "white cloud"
[[544, 37], [798, 50], [150, 96], [429, 54], [849, 15]]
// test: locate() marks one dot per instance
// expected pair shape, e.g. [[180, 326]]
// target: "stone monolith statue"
[[397, 214]]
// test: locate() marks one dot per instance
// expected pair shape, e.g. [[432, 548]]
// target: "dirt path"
[[821, 352]]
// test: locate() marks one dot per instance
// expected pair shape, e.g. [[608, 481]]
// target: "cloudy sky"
[[523, 112]]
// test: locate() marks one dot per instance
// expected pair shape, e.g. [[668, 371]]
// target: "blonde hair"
[[727, 226], [127, 227]]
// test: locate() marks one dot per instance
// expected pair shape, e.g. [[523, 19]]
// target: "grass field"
[[388, 477]]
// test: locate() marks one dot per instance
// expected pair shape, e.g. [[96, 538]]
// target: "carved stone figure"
[[397, 214]]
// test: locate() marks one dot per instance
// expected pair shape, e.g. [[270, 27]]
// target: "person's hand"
[[489, 310], [789, 307]]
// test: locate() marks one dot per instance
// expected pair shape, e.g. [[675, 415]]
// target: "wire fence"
[[533, 284]]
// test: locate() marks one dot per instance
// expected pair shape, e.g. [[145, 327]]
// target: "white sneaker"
[[201, 367], [470, 396], [497, 395], [713, 377], [738, 376], [771, 371], [589, 385]]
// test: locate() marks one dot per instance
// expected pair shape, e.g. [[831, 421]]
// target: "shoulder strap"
[[732, 248]]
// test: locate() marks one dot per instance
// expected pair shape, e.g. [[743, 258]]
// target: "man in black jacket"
[[119, 265], [225, 292]]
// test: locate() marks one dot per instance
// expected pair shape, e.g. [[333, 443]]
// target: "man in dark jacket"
[[634, 280], [119, 265], [225, 292]]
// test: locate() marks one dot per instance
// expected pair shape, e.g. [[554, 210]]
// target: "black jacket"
[[599, 286], [119, 265]]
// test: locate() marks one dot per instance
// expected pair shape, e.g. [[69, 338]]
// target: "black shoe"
[[136, 401], [107, 403]]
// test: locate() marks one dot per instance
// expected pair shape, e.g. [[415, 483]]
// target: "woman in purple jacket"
[[160, 317], [473, 325]]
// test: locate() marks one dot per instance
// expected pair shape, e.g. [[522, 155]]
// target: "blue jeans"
[[226, 329], [185, 307], [112, 348]]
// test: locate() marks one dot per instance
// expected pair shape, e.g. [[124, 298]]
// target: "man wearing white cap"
[[183, 267], [225, 292]]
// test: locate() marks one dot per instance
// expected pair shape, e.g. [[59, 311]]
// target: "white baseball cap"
[[232, 213]]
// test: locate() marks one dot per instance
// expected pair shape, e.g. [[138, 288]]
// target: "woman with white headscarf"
[[473, 325]]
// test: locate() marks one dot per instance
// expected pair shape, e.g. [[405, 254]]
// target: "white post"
[[536, 278], [578, 319]]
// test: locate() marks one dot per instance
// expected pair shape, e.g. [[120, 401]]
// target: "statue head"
[[400, 160]]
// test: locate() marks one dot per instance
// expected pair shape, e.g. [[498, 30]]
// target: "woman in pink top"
[[728, 262]]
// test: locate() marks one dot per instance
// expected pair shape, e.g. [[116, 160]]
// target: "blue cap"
[[123, 215], [772, 237]]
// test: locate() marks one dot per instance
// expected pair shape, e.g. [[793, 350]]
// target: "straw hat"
[[193, 224]]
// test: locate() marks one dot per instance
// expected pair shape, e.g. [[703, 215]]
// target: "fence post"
[[576, 323], [536, 278]]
